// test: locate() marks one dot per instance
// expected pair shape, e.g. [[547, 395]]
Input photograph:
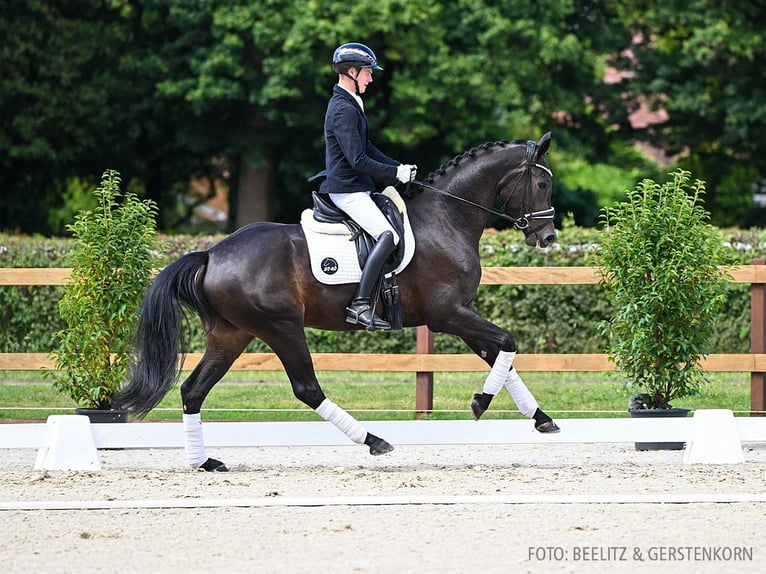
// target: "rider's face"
[[364, 78]]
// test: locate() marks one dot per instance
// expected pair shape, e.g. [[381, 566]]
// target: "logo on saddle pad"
[[329, 266], [333, 247]]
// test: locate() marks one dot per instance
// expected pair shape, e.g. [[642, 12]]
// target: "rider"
[[351, 163]]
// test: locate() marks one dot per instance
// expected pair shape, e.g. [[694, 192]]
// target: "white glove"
[[406, 173]]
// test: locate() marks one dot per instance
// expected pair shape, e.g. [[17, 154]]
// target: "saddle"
[[325, 211]]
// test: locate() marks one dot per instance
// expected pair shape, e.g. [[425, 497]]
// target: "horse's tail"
[[160, 334]]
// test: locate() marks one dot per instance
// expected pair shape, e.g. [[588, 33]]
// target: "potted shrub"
[[659, 260], [112, 266]]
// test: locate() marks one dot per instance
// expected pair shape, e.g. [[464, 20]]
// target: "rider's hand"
[[406, 172]]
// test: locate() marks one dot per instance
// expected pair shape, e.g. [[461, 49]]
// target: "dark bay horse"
[[257, 282]]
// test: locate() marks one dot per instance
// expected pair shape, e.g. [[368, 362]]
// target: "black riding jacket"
[[352, 162]]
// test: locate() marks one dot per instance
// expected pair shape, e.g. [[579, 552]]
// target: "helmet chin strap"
[[353, 79]]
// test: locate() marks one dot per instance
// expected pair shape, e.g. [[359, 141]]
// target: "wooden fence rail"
[[425, 363]]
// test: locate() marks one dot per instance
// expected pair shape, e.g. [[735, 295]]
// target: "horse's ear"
[[543, 145]]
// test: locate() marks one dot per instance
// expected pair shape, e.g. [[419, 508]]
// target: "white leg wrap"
[[524, 400], [193, 442], [331, 412], [499, 373]]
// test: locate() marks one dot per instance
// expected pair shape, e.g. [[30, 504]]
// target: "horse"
[[257, 283]]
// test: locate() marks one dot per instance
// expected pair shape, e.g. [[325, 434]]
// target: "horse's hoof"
[[213, 465], [382, 447], [548, 427], [478, 407], [377, 445]]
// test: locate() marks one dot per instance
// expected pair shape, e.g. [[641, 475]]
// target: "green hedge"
[[542, 318]]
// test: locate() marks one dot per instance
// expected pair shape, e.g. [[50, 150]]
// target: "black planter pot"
[[104, 416], [659, 413]]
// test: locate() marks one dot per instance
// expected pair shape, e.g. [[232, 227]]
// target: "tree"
[[51, 101], [169, 90], [702, 61], [77, 97]]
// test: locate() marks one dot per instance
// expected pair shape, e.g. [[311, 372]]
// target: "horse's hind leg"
[[504, 374], [294, 353], [223, 348]]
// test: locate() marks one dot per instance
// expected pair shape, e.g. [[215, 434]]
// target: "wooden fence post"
[[424, 381], [757, 343]]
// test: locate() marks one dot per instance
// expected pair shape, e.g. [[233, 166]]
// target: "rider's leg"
[[361, 311], [361, 208]]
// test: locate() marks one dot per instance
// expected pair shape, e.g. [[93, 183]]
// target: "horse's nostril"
[[548, 240]]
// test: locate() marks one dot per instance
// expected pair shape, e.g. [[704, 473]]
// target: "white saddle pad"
[[333, 253]]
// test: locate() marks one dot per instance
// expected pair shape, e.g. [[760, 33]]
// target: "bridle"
[[520, 223]]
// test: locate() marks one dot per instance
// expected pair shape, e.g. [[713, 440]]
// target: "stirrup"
[[359, 316]]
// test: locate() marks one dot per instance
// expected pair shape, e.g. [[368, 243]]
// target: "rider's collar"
[[356, 97]]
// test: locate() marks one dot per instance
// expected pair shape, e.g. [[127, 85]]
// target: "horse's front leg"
[[502, 374], [296, 359], [498, 349]]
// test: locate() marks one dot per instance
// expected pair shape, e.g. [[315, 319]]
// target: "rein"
[[520, 223]]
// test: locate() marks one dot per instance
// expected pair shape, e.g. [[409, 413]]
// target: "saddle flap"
[[396, 219]]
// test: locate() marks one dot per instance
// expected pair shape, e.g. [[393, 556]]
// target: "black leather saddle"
[[325, 211]]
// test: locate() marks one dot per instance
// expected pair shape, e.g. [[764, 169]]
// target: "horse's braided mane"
[[457, 159], [468, 154]]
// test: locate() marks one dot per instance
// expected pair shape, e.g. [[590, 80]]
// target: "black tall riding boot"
[[360, 311]]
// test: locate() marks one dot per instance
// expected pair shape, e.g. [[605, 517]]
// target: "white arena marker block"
[[70, 445], [714, 438]]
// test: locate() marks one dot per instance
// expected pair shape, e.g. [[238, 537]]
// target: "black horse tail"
[[160, 334]]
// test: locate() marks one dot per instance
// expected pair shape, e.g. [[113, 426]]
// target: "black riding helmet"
[[353, 55]]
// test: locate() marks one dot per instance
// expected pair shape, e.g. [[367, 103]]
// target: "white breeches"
[[361, 208]]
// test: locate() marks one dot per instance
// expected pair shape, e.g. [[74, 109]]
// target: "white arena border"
[[70, 442], [430, 432], [420, 500]]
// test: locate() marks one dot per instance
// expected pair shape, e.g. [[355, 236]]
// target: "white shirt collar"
[[355, 96]]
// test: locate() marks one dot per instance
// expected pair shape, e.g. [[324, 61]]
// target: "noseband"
[[520, 223]]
